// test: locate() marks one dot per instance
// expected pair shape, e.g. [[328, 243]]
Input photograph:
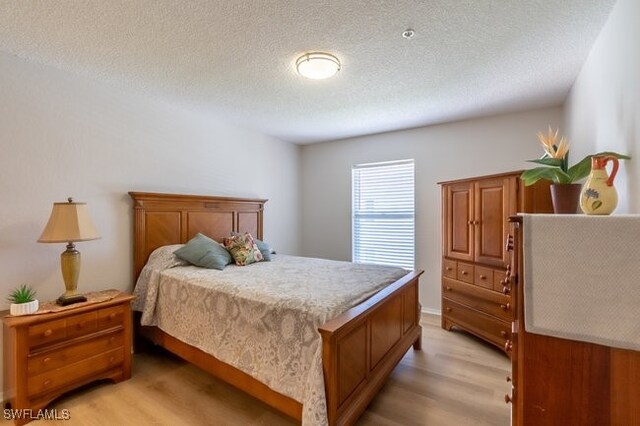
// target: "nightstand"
[[46, 355]]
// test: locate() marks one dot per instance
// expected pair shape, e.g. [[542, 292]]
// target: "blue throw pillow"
[[264, 249], [205, 252]]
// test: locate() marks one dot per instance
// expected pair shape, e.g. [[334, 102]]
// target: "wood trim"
[[516, 173], [399, 303]]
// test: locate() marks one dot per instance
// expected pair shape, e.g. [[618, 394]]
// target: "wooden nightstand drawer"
[[52, 359], [110, 317], [47, 332], [88, 367], [79, 325]]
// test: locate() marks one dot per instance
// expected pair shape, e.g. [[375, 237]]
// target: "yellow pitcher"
[[599, 196]]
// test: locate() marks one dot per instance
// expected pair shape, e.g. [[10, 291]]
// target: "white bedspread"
[[261, 318], [582, 278]]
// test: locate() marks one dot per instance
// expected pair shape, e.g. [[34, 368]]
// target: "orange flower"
[[551, 146]]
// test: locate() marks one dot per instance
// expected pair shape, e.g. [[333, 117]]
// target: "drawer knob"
[[508, 345], [112, 316], [112, 339], [507, 399], [470, 222], [506, 307], [448, 309], [508, 379], [449, 288], [46, 383], [48, 332], [112, 360], [483, 277], [464, 272], [503, 333], [47, 360], [448, 268], [506, 290]]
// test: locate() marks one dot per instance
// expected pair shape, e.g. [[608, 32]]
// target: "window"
[[384, 213]]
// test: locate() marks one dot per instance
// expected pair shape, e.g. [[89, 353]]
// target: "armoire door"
[[458, 219], [495, 201]]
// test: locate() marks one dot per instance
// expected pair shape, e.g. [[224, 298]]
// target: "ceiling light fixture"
[[317, 65]]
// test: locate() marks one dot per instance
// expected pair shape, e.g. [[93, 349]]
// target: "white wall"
[[444, 152], [62, 135], [603, 107]]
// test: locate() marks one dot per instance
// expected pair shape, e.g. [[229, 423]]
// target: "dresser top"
[[17, 321]]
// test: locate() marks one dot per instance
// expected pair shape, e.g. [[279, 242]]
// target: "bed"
[[359, 348]]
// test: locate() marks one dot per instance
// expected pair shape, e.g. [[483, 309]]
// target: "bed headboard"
[[162, 219]]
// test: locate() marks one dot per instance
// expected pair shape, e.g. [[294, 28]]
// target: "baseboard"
[[431, 311]]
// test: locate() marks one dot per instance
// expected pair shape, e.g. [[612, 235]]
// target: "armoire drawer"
[[449, 268], [466, 272], [488, 327], [478, 298]]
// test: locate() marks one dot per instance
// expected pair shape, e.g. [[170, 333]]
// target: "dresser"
[[475, 263], [570, 381], [49, 354]]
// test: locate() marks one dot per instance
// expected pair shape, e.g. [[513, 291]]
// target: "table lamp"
[[69, 222]]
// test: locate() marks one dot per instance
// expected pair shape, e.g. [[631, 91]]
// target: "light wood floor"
[[455, 380]]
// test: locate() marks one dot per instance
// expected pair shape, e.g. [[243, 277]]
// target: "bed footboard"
[[362, 346]]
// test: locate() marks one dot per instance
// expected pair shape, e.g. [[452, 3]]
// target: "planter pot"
[[24, 308], [565, 197]]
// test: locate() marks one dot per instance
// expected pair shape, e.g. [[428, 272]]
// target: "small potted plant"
[[565, 191], [23, 301]]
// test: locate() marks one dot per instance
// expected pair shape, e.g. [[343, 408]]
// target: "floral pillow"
[[243, 249]]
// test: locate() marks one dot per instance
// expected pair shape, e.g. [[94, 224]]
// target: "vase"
[[16, 309], [565, 197], [599, 196]]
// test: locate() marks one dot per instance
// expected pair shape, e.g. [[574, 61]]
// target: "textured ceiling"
[[233, 59]]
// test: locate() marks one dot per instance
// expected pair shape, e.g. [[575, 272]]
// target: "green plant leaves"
[[548, 161], [22, 294], [531, 176], [580, 170], [554, 172]]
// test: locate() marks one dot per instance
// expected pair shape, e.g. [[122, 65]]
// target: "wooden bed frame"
[[360, 347]]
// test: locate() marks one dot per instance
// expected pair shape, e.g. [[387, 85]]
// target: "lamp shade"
[[69, 222]]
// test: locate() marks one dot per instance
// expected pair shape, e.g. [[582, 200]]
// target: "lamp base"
[[65, 300]]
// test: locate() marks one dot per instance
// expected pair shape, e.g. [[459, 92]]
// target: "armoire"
[[475, 261]]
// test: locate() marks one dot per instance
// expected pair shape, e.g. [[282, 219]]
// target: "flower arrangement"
[[555, 162]]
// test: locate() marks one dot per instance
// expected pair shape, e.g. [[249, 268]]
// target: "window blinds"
[[384, 213]]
